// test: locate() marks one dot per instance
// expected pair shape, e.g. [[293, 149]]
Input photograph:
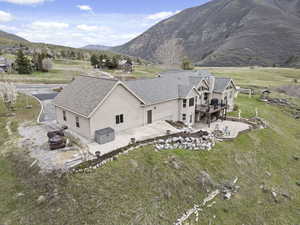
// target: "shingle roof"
[[221, 84], [84, 94], [170, 85]]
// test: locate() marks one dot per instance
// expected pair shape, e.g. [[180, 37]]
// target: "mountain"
[[97, 47], [12, 37], [224, 33]]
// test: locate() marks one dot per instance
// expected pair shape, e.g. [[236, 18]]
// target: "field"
[[63, 72], [144, 187], [267, 77], [255, 77]]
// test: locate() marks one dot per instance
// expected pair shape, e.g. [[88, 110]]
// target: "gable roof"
[[169, 85], [221, 84], [84, 94]]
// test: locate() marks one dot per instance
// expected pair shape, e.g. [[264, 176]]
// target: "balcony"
[[210, 108]]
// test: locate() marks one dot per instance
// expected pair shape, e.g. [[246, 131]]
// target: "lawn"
[[63, 71], [144, 187], [267, 77]]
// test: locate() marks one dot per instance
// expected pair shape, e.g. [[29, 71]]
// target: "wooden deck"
[[210, 109]]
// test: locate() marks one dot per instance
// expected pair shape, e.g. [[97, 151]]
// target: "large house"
[[90, 104]]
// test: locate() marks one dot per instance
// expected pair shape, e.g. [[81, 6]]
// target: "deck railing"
[[210, 108]]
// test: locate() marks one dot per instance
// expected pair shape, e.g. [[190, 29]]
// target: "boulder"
[[41, 199]]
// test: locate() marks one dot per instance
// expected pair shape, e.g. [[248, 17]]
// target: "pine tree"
[[94, 61], [23, 63]]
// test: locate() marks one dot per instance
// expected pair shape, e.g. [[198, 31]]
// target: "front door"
[[149, 116]]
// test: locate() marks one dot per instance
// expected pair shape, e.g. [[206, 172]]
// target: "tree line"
[[103, 61], [40, 61]]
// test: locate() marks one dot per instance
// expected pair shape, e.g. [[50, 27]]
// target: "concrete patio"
[[234, 127], [142, 133]]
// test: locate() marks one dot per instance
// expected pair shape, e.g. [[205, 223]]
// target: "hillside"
[[145, 187], [225, 33], [10, 44], [11, 37], [97, 47]]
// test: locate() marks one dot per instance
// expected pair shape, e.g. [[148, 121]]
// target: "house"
[[6, 64], [90, 104], [126, 66]]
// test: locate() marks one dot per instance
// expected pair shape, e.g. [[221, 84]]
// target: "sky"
[[77, 23]]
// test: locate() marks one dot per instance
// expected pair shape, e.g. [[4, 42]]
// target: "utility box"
[[105, 135]]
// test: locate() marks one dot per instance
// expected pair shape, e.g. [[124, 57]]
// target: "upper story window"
[[77, 122], [184, 117], [191, 102], [184, 103], [206, 96], [119, 119], [64, 115]]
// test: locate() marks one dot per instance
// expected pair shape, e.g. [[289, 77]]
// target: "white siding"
[[121, 101], [189, 110], [84, 123], [163, 111]]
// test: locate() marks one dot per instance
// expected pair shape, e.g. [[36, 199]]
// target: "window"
[[184, 117], [191, 118], [77, 122], [64, 115], [184, 103], [206, 96], [191, 102], [119, 119]]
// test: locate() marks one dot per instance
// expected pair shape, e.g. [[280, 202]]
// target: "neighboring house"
[[90, 104], [6, 64], [126, 66]]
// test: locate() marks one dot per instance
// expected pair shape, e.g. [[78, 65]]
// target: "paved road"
[[45, 93], [46, 96]]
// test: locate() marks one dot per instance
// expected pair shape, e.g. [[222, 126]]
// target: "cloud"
[[23, 2], [85, 27], [85, 7], [8, 28], [161, 15], [109, 29], [5, 17], [49, 25]]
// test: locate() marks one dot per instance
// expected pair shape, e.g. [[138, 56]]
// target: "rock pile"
[[204, 143], [228, 189]]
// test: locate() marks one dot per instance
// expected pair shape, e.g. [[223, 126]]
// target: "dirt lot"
[[35, 140]]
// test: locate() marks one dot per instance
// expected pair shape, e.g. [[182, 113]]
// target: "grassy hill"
[[12, 37], [144, 187]]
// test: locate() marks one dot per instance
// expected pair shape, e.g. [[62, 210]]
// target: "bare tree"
[[8, 93], [47, 64]]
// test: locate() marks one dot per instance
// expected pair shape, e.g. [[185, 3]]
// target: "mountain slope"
[[97, 47], [224, 33], [10, 36]]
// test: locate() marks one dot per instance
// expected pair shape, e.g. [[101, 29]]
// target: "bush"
[[235, 108], [187, 65], [47, 65]]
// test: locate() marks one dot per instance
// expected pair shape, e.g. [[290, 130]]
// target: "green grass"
[[63, 72], [155, 192], [120, 193], [257, 76]]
